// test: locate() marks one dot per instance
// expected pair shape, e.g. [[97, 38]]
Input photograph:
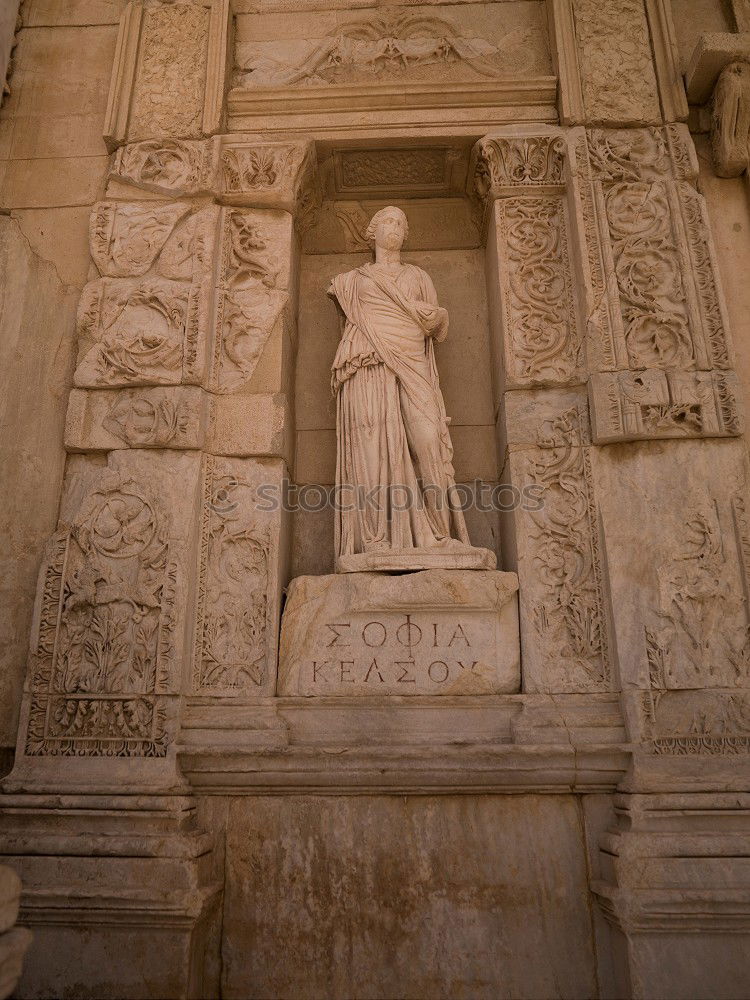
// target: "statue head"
[[388, 229]]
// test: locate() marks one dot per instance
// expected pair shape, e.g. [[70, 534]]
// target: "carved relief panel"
[[678, 573], [107, 641], [146, 321], [168, 74], [564, 640], [240, 575], [254, 296]]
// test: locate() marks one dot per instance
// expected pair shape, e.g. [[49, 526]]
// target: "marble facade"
[[219, 778]]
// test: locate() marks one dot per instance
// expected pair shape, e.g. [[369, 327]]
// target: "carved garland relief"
[[146, 330]]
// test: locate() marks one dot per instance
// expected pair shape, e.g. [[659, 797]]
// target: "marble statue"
[[398, 507]]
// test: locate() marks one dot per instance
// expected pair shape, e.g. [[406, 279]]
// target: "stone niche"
[[445, 239]]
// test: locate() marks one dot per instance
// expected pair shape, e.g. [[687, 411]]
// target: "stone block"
[[249, 424], [106, 419], [435, 632], [10, 896], [713, 52], [438, 883]]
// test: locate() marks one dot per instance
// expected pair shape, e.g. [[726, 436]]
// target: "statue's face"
[[390, 231]]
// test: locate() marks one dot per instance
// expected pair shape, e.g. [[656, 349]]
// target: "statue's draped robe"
[[392, 426]]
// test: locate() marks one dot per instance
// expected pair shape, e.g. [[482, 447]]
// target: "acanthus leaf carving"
[[527, 161]]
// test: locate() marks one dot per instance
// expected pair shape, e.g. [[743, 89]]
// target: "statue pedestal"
[[453, 557], [438, 632]]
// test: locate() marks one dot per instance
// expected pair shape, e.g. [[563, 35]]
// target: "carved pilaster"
[[665, 300], [521, 179], [168, 79]]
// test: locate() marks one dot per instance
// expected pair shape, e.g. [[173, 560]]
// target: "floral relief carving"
[[165, 166], [171, 74], [104, 646], [647, 269], [383, 47], [151, 420], [565, 558], [628, 154], [233, 611], [700, 636], [543, 338], [252, 299], [617, 71], [658, 250]]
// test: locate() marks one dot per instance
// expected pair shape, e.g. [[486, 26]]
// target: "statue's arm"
[[434, 317]]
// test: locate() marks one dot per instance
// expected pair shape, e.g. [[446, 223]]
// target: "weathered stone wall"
[[183, 824], [52, 166]]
